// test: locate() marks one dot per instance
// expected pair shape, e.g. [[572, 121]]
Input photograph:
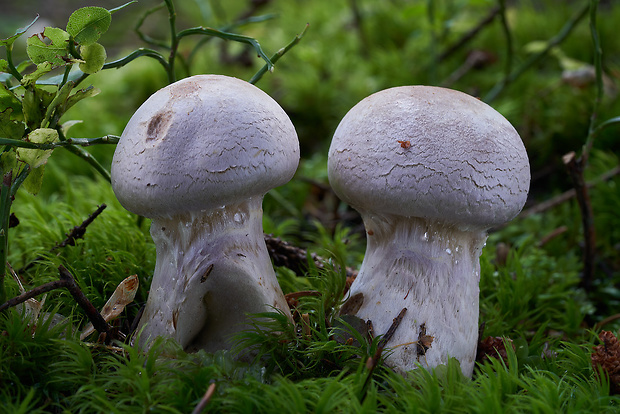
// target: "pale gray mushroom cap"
[[430, 152], [200, 143]]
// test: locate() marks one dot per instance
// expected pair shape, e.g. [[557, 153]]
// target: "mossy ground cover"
[[532, 296]]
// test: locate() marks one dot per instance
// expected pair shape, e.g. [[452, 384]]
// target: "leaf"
[[55, 52], [87, 24], [10, 128], [4, 66], [8, 42], [34, 157], [123, 295], [67, 125], [94, 58], [9, 100], [33, 182], [8, 161], [59, 100], [41, 70], [81, 94]]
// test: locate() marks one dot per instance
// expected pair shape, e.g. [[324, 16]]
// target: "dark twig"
[[295, 258], [93, 314], [469, 35], [205, 399], [372, 362], [575, 168], [39, 290], [76, 232], [66, 281], [567, 195]]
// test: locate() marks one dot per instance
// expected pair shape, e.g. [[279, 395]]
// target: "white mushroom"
[[197, 158], [430, 170]]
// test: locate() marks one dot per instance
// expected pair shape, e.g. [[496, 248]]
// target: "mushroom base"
[[212, 270], [433, 270]]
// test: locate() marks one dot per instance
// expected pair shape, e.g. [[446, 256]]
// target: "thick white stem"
[[212, 269], [433, 270]]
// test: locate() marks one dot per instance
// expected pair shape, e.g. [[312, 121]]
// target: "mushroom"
[[197, 158], [430, 170]]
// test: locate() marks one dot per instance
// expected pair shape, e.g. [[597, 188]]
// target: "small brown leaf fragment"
[[405, 144], [123, 295], [424, 341], [606, 357], [493, 347]]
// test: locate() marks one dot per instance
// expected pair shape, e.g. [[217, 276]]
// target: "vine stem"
[[553, 42]]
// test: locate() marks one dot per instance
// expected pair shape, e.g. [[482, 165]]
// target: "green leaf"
[[4, 65], [10, 128], [81, 94], [42, 69], [87, 24], [34, 181], [8, 161], [94, 58], [34, 157], [8, 42], [9, 100], [59, 100], [55, 52]]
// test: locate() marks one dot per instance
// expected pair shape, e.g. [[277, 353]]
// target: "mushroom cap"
[[430, 152], [203, 142]]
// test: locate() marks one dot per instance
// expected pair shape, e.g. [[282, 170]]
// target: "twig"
[[39, 290], [469, 35], [575, 168], [66, 281], [295, 258], [76, 232], [553, 42], [205, 399], [372, 362], [91, 312], [567, 195]]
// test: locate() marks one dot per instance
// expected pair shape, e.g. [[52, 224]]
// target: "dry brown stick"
[[567, 195], [91, 312], [372, 362], [575, 168], [205, 399], [470, 35], [295, 258], [76, 232], [66, 281], [39, 290]]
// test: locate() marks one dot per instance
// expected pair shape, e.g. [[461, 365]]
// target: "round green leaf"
[[94, 57], [34, 157], [39, 51], [87, 24]]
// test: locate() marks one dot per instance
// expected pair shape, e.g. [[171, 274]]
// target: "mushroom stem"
[[432, 269], [212, 269]]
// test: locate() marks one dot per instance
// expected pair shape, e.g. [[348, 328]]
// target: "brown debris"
[[493, 347], [606, 357]]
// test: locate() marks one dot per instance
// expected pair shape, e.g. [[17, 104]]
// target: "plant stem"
[[508, 36], [81, 142], [174, 40], [258, 75], [553, 42], [5, 212], [9, 58]]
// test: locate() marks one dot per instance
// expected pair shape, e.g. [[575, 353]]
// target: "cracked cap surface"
[[430, 152], [200, 143]]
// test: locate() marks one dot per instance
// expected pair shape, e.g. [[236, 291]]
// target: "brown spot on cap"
[[157, 125]]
